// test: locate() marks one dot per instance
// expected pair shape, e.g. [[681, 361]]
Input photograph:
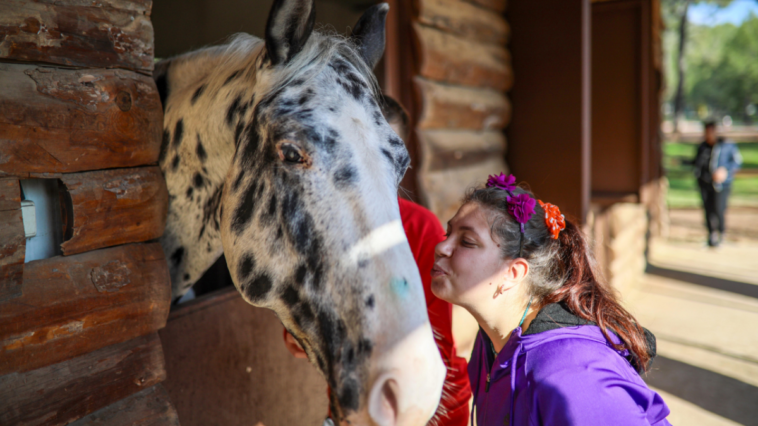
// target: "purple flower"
[[502, 181], [521, 206]]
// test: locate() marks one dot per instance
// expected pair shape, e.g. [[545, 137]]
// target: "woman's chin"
[[441, 288]]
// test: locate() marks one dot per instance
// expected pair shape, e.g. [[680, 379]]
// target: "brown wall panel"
[[247, 377], [72, 305], [55, 120], [112, 207], [107, 33], [549, 134], [458, 107], [496, 5], [61, 393], [150, 407]]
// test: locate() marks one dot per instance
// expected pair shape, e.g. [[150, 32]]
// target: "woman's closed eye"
[[467, 243]]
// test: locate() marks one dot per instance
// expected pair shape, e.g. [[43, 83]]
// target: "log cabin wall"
[[78, 331], [453, 79]]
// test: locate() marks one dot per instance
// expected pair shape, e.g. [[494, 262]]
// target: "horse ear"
[[369, 33], [396, 116], [289, 25]]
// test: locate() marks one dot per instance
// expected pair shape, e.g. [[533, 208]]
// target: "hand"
[[295, 349], [720, 175]]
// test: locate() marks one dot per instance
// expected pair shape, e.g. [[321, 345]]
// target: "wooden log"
[[76, 304], [12, 240], [498, 6], [464, 19], [112, 207], [443, 189], [62, 393], [150, 407], [107, 34], [456, 107], [451, 59], [448, 149], [62, 120]]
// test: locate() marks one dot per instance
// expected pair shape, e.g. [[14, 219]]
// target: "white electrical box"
[[30, 218]]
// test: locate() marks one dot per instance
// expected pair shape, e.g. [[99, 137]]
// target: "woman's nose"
[[443, 249]]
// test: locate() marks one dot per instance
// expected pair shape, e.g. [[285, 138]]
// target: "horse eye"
[[290, 154]]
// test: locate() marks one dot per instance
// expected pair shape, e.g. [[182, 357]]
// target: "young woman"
[[555, 347]]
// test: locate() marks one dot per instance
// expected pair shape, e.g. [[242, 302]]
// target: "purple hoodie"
[[560, 373]]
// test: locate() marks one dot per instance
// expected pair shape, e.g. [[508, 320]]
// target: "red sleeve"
[[424, 232]]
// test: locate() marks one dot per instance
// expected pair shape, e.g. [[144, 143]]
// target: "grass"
[[683, 191]]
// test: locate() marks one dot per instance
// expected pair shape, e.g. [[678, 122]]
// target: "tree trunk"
[[679, 97]]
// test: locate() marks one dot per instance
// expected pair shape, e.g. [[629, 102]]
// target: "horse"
[[277, 154]]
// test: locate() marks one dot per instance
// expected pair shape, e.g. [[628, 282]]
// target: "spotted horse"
[[277, 154]]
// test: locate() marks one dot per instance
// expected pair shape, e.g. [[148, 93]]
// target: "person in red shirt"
[[424, 232]]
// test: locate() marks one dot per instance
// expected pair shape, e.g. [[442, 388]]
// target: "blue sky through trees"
[[710, 14]]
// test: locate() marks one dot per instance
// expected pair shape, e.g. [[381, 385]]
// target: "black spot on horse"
[[245, 211], [246, 267], [250, 150], [198, 180], [202, 231], [370, 302], [176, 257], [300, 274], [200, 150], [345, 177], [238, 180], [164, 146], [349, 394], [271, 211], [197, 94], [305, 97], [290, 296], [211, 206], [364, 348], [178, 132], [189, 192], [162, 84], [231, 77], [231, 113], [395, 141], [258, 287], [186, 277], [306, 313], [389, 156], [237, 133], [175, 163]]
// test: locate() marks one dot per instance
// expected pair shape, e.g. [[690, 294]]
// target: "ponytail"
[[591, 299]]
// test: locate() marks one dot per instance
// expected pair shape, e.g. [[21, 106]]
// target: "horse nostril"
[[383, 401]]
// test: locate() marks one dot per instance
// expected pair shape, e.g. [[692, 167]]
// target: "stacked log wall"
[[78, 342], [463, 71]]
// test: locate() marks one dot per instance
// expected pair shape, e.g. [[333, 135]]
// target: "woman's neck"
[[500, 321]]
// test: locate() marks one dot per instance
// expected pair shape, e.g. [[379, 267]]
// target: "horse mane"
[[243, 52]]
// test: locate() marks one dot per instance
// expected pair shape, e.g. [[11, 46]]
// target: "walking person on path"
[[716, 162], [555, 347]]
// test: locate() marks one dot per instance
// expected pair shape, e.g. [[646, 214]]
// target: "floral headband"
[[521, 206]]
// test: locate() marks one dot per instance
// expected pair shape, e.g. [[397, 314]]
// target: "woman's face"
[[468, 267]]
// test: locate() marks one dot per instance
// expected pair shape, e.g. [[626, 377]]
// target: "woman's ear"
[[517, 270]]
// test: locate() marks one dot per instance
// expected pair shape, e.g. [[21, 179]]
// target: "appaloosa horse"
[[277, 154]]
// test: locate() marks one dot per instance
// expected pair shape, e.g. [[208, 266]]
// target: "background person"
[[554, 347], [716, 162]]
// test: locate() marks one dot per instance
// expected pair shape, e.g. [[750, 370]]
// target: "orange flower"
[[554, 220]]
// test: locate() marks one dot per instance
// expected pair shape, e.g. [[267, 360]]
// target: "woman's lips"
[[438, 272]]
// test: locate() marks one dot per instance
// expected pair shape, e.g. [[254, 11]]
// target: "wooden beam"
[[449, 149], [12, 240], [55, 120], [457, 107], [497, 5], [451, 59], [150, 407], [464, 19], [72, 305], [112, 207], [106, 34], [62, 393]]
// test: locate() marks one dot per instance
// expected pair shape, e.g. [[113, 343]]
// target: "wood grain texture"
[[61, 393], [449, 149], [79, 33], [464, 19], [55, 120], [451, 59], [150, 407], [12, 240], [456, 107], [443, 189], [72, 305], [112, 207], [498, 6]]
